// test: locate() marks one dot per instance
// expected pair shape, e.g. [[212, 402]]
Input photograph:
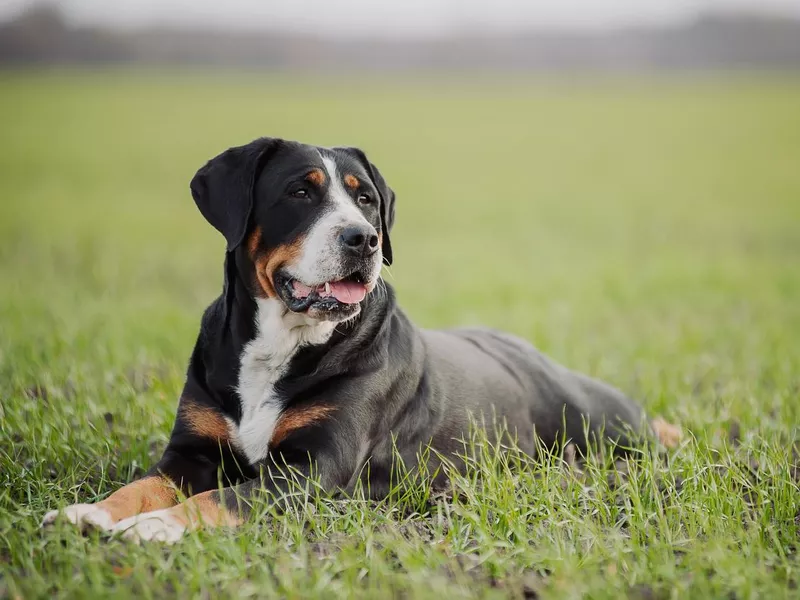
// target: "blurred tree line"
[[41, 36]]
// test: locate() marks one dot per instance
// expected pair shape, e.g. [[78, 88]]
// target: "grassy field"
[[645, 232]]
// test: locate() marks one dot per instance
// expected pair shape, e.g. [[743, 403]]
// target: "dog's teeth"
[[327, 287]]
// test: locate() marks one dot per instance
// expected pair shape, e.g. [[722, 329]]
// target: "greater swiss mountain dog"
[[306, 363]]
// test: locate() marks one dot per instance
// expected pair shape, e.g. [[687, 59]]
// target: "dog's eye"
[[365, 199], [300, 193]]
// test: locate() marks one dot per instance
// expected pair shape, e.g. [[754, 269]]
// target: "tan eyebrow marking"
[[351, 181], [317, 177]]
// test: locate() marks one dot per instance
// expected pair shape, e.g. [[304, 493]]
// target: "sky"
[[395, 18]]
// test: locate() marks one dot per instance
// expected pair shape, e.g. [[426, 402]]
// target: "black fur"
[[389, 381], [223, 188]]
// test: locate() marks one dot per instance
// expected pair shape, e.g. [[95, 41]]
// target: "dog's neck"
[[264, 361], [251, 320], [281, 332], [284, 355], [323, 349]]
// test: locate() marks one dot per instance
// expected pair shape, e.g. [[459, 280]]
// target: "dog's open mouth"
[[342, 295]]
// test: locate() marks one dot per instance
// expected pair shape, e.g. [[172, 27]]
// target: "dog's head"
[[312, 222]]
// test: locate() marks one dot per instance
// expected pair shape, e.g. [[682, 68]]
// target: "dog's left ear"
[[386, 197], [223, 188]]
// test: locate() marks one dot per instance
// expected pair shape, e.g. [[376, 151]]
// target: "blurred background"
[[434, 35], [616, 180]]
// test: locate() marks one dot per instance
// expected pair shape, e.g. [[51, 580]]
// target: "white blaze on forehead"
[[343, 205], [319, 260]]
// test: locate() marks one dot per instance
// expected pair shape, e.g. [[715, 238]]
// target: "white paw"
[[157, 526], [85, 516]]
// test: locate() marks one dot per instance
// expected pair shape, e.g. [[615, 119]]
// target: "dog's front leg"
[[299, 449], [228, 507], [189, 465], [207, 509], [152, 492]]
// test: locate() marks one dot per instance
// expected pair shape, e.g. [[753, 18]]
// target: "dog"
[[306, 363]]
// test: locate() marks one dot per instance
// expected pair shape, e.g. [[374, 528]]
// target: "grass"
[[646, 232]]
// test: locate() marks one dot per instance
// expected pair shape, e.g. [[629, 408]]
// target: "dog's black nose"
[[360, 241]]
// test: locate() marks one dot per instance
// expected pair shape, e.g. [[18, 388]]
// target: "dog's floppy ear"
[[386, 198], [223, 188]]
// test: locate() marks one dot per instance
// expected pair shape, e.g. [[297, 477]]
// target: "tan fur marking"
[[153, 492], [668, 434], [351, 181], [253, 243], [203, 510], [266, 263], [204, 421], [317, 177], [297, 418]]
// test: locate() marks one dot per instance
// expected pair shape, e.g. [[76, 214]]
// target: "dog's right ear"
[[223, 188]]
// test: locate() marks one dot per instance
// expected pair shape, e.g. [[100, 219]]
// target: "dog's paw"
[[85, 516], [668, 435], [157, 526]]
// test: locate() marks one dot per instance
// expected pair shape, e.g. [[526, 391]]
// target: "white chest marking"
[[264, 360]]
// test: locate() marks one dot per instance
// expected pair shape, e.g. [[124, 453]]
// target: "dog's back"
[[504, 380]]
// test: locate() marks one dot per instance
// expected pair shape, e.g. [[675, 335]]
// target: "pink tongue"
[[348, 292]]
